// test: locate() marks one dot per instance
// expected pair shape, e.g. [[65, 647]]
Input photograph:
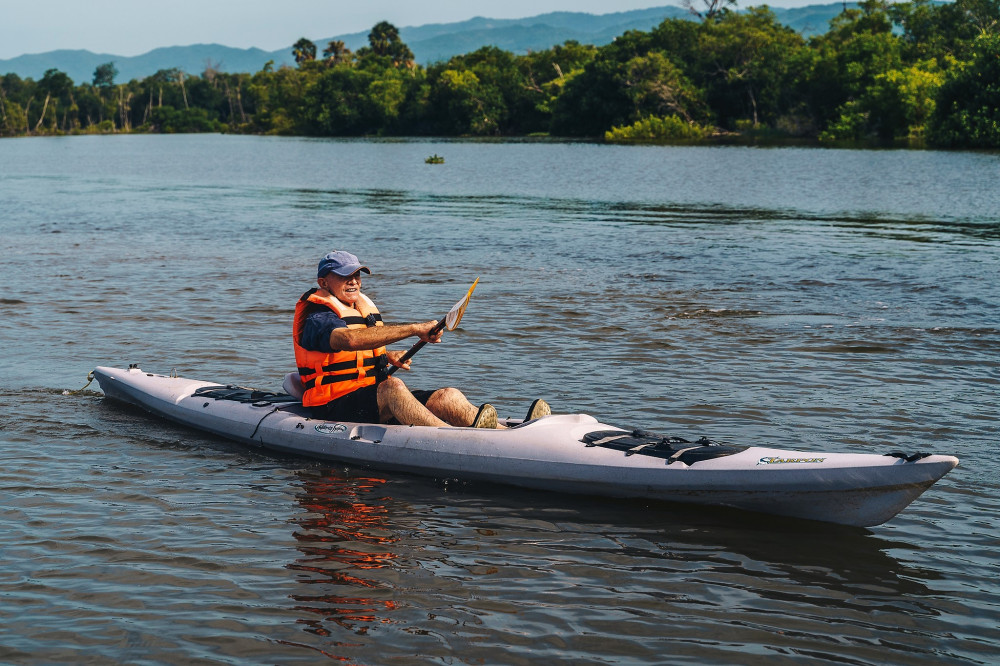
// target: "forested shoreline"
[[914, 73]]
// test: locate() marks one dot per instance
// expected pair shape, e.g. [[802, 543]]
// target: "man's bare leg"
[[396, 401], [451, 405], [447, 406]]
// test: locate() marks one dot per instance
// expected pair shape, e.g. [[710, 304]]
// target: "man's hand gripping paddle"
[[449, 321]]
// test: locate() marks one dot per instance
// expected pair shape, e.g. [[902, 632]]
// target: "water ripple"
[[800, 306]]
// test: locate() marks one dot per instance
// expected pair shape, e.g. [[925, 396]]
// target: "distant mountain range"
[[429, 43]]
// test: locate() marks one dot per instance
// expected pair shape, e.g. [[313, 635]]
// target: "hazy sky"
[[130, 28]]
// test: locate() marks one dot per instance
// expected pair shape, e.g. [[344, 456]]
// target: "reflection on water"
[[342, 537], [380, 567]]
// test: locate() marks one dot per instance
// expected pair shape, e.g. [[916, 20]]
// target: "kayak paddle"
[[450, 321]]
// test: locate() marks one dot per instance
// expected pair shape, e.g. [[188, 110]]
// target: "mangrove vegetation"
[[911, 73]]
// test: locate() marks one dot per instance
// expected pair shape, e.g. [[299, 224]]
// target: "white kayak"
[[572, 453]]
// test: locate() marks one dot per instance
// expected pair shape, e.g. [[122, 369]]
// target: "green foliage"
[[896, 106], [917, 71], [656, 129], [859, 47], [337, 53], [851, 126], [103, 127], [655, 85], [459, 106], [593, 100], [491, 90], [335, 104], [736, 66], [967, 114], [56, 84], [708, 10], [750, 61], [385, 45], [169, 120], [13, 119], [104, 75], [304, 51]]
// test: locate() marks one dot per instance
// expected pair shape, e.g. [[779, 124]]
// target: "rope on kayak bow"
[[90, 379]]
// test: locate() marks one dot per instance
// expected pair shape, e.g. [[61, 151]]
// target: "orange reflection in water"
[[344, 541]]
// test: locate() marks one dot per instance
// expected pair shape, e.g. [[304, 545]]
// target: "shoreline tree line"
[[918, 73]]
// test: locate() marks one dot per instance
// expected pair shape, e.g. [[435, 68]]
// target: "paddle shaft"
[[415, 348]]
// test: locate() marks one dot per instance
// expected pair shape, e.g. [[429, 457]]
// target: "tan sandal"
[[486, 417], [538, 409]]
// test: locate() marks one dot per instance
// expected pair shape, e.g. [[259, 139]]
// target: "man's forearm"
[[357, 339]]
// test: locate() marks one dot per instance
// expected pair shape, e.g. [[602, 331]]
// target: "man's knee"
[[391, 385], [389, 391], [445, 396]]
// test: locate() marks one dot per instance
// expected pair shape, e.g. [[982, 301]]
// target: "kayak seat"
[[673, 449], [293, 385]]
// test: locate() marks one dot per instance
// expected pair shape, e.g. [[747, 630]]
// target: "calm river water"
[[815, 299]]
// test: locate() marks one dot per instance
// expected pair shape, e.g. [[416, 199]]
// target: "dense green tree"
[[747, 64], [169, 120], [967, 113], [385, 97], [732, 67], [337, 53], [900, 102], [56, 84], [859, 47], [547, 72], [335, 105], [897, 105], [982, 16], [304, 51], [280, 99], [462, 105], [896, 73], [507, 99], [57, 88], [384, 43], [13, 119], [596, 99], [104, 75], [657, 87]]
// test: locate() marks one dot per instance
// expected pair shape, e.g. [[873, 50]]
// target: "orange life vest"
[[328, 376]]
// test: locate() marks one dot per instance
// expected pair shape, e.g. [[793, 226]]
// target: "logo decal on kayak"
[[331, 428], [785, 461]]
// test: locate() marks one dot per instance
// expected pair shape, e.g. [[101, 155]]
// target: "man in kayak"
[[340, 352]]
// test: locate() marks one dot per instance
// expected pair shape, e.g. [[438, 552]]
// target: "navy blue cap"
[[340, 263]]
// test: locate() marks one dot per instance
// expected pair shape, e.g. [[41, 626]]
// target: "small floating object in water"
[[434, 159]]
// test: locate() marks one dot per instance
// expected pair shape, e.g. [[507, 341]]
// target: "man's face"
[[346, 289]]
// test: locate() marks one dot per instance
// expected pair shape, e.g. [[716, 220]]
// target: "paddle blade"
[[455, 314]]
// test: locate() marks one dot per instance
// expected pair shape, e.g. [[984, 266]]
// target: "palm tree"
[[304, 51], [384, 40], [382, 36], [336, 52]]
